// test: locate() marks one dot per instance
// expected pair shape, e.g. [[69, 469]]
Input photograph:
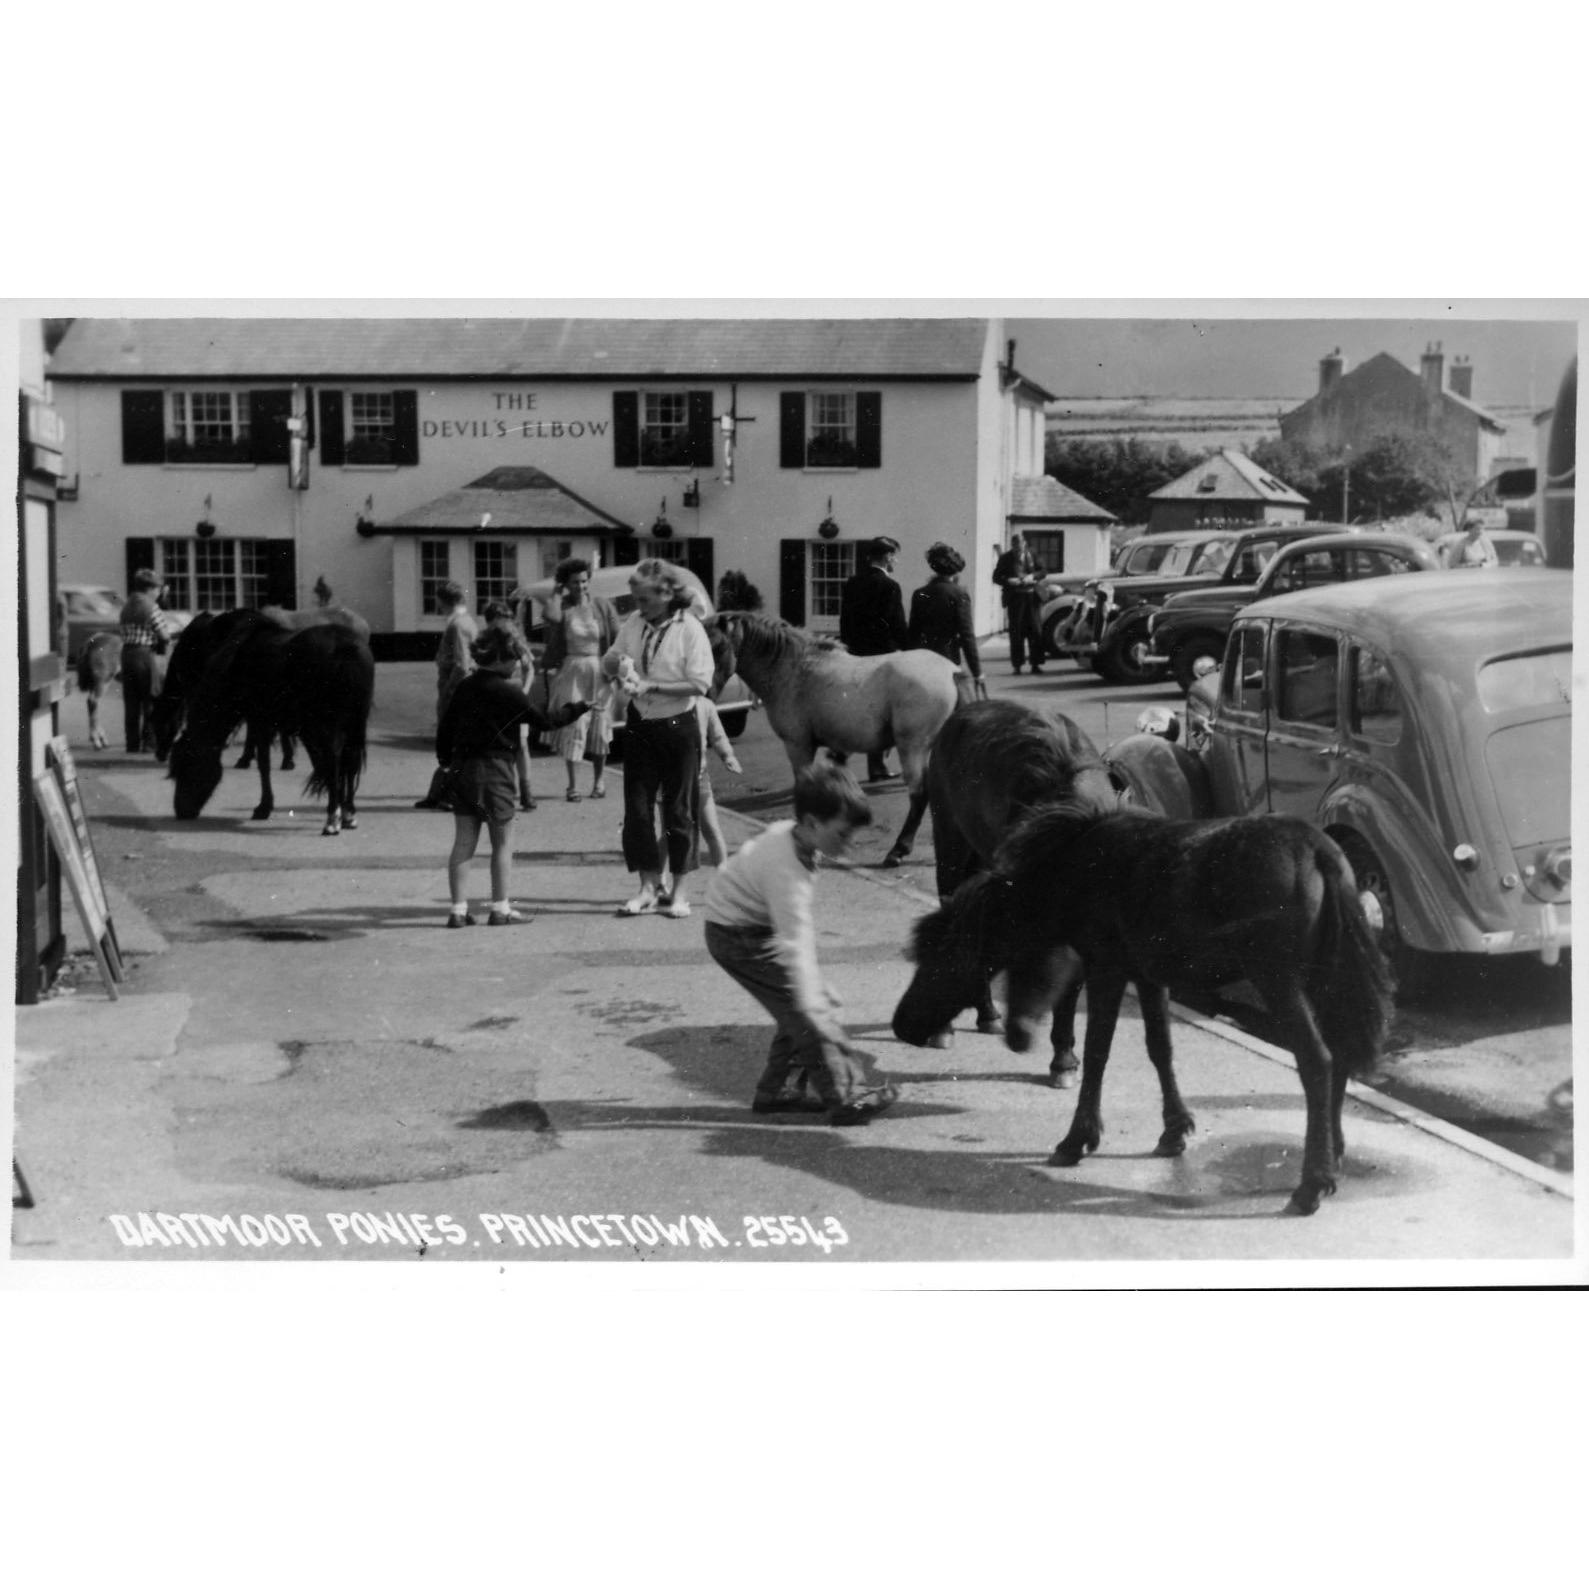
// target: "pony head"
[[956, 950], [196, 771]]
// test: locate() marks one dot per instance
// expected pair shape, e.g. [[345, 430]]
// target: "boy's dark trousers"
[[800, 1055]]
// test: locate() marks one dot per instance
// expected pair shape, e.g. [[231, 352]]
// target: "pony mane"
[[772, 639], [1043, 838], [965, 920]]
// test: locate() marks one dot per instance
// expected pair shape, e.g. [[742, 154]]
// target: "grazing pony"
[[97, 666], [1166, 903], [315, 684], [817, 694]]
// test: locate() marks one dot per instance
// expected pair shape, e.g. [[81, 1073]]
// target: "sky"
[[1514, 361]]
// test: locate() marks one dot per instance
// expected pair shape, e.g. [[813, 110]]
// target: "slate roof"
[[519, 499], [1042, 497], [1390, 365], [349, 349], [1236, 478]]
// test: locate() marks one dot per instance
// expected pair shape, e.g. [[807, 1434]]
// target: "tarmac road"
[[309, 1066]]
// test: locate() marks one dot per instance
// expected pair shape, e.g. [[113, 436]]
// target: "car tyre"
[[1379, 904], [1191, 651], [1119, 657]]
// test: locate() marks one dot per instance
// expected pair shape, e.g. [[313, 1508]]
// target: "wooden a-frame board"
[[89, 895]]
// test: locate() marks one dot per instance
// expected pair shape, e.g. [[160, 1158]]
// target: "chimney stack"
[[1462, 377], [1331, 367], [1433, 365]]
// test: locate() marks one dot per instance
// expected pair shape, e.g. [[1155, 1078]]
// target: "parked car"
[[1188, 632], [93, 609], [734, 703], [1514, 548], [1143, 554], [1426, 725], [1109, 628]]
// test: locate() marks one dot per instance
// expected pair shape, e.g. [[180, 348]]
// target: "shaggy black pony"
[[314, 684], [185, 667], [1166, 903]]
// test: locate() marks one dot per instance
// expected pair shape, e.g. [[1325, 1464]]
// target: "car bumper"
[[1544, 930]]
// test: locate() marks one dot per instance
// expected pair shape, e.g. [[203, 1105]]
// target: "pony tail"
[[1351, 987]]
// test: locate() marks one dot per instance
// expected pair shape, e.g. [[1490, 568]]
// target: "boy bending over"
[[759, 929]]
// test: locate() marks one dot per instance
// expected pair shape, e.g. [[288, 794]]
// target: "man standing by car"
[[872, 616], [1019, 575], [145, 634]]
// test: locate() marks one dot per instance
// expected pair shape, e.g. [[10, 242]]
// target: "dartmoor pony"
[[315, 684], [1166, 903], [992, 763], [817, 694], [99, 664]]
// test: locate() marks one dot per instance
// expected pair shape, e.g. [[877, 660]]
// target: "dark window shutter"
[[701, 428], [626, 430], [268, 413], [333, 449], [143, 427], [625, 551], [792, 581], [405, 421], [281, 573], [869, 430], [140, 554], [791, 430], [699, 558]]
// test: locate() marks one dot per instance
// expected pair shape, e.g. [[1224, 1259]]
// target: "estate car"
[[1426, 725]]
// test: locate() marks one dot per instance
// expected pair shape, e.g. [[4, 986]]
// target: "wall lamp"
[[365, 523], [661, 530], [828, 529], [692, 494], [205, 528]]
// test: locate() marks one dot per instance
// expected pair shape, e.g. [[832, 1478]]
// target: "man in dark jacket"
[[872, 616], [1019, 576]]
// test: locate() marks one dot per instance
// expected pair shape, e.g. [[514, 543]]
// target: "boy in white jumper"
[[760, 930]]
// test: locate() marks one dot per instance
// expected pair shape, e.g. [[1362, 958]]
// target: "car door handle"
[[1328, 750]]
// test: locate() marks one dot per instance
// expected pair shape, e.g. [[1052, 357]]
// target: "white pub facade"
[[261, 460]]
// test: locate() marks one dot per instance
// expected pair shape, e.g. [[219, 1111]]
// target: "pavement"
[[306, 1066]]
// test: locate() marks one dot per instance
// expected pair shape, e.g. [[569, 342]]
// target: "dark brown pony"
[[993, 763], [315, 684], [1166, 903]]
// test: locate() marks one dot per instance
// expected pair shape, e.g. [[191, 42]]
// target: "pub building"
[[249, 460]]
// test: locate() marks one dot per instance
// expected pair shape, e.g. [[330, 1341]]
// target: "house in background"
[[245, 460], [1228, 489], [1065, 532], [1353, 407]]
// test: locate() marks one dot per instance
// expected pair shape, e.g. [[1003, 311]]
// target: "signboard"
[[63, 835], [61, 754]]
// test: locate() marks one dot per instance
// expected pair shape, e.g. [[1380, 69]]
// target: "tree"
[[1397, 473], [1117, 474]]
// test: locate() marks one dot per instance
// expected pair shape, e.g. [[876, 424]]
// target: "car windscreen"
[[1525, 554], [1541, 678], [1212, 558]]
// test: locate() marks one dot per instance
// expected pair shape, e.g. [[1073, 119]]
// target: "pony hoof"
[[1063, 1079], [941, 1040], [350, 823], [288, 765], [992, 1026], [1170, 1147], [1066, 1157], [260, 814], [891, 861]]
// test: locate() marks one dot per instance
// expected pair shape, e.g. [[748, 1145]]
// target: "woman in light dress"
[[581, 630]]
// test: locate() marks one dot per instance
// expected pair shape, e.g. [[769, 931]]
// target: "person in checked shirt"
[[145, 634], [760, 929]]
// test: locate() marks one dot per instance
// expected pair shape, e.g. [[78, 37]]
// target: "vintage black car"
[[1188, 632], [1109, 628]]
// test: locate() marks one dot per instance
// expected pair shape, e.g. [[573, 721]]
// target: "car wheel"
[[1379, 905], [1191, 651], [1120, 657], [1055, 622]]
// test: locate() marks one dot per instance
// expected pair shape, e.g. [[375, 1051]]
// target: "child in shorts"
[[760, 930], [478, 742]]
